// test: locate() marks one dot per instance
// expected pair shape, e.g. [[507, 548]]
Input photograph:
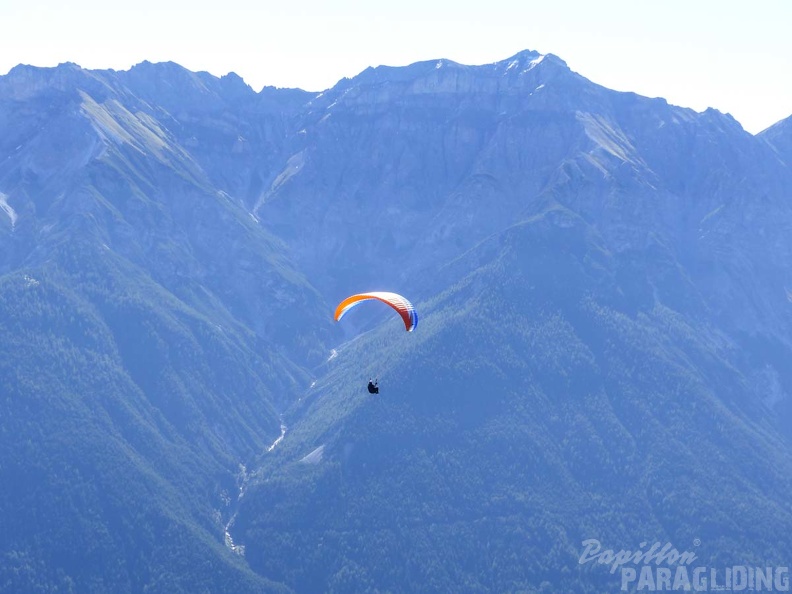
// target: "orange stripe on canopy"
[[403, 307]]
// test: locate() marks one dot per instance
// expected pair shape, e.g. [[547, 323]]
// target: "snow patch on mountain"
[[525, 61], [315, 456], [279, 439], [6, 207], [293, 166]]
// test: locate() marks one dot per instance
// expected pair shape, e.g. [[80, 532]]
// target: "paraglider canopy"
[[403, 307]]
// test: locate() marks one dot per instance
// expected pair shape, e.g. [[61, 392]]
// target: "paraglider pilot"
[[373, 388]]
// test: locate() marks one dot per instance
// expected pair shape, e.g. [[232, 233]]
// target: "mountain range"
[[603, 350]]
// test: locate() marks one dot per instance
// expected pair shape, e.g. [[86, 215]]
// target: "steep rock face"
[[108, 157], [394, 162], [400, 170], [236, 135]]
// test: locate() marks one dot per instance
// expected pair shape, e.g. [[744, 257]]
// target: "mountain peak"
[[170, 85], [527, 60], [441, 73], [24, 81]]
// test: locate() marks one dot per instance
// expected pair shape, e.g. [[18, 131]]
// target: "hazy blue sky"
[[734, 56]]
